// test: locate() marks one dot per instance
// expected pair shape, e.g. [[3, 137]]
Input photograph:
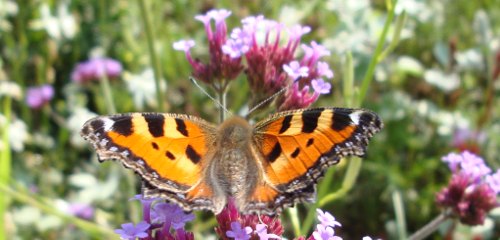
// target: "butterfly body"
[[263, 168]]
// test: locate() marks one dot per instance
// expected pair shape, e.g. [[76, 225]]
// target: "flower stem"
[[152, 53], [5, 164], [92, 229], [108, 96], [430, 227], [378, 50]]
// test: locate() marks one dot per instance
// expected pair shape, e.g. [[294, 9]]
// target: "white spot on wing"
[[107, 123], [355, 117]]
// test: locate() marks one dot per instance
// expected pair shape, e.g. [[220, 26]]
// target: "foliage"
[[430, 69]]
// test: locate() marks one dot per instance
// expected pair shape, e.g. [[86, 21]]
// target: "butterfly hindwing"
[[298, 146], [166, 150]]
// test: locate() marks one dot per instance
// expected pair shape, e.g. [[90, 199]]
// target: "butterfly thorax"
[[233, 171]]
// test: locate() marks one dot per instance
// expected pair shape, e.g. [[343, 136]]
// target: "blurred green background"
[[436, 91]]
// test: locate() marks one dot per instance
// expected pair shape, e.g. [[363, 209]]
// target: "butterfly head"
[[235, 132]]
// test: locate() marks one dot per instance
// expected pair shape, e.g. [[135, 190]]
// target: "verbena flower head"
[[131, 232], [164, 220], [220, 66], [269, 226], [95, 69], [472, 191], [238, 232], [37, 97], [269, 48], [327, 219]]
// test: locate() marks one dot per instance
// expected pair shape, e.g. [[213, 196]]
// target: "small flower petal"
[[294, 70], [183, 45], [320, 86]]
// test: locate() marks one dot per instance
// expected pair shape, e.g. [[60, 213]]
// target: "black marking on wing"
[[181, 127], [122, 125], [275, 153], [296, 153], [155, 145], [192, 154], [170, 155], [155, 124], [341, 119], [286, 123], [310, 120]]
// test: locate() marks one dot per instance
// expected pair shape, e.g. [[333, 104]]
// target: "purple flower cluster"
[[472, 191], [37, 97], [232, 225], [161, 220], [325, 228], [269, 48], [95, 69]]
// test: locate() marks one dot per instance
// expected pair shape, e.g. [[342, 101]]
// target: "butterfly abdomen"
[[233, 172]]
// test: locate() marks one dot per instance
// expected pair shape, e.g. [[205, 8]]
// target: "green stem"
[[349, 180], [294, 218], [5, 164], [430, 227], [400, 214], [108, 96], [152, 53], [375, 59], [89, 227]]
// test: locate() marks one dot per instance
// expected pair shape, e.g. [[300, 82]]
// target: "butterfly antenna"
[[272, 96], [208, 95]]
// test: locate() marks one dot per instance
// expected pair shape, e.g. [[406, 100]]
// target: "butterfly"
[[262, 168]]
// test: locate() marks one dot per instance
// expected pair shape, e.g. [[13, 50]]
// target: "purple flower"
[[81, 210], [220, 66], [131, 232], [314, 52], [324, 70], [239, 233], [95, 69], [261, 230], [230, 214], [269, 50], [493, 181], [295, 71], [326, 219], [298, 98], [467, 163], [171, 215], [146, 206], [37, 97], [238, 45], [325, 233], [470, 194], [320, 86]]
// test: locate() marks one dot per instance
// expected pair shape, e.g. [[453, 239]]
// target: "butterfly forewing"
[[166, 150], [297, 146]]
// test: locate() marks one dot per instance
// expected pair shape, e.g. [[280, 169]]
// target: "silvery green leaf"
[[444, 81], [82, 180], [441, 52], [482, 27], [409, 65]]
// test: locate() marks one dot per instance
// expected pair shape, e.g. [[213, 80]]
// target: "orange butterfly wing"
[[296, 148], [166, 150]]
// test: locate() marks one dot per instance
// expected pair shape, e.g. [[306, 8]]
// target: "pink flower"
[[471, 193], [95, 69], [37, 97]]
